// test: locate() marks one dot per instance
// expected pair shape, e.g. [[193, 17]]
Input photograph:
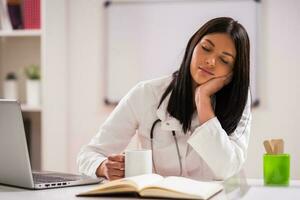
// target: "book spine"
[[15, 16], [32, 14]]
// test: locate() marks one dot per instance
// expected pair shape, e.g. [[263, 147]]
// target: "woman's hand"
[[203, 95], [113, 168], [214, 85]]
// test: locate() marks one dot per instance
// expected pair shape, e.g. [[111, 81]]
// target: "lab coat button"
[[167, 123]]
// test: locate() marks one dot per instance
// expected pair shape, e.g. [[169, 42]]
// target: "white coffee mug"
[[138, 162]]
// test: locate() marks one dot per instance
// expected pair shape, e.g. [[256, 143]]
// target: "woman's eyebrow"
[[229, 54], [210, 42]]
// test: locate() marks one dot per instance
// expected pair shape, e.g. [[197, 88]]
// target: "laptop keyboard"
[[52, 178]]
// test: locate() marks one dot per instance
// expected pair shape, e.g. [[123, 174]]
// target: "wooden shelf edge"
[[20, 33], [29, 108]]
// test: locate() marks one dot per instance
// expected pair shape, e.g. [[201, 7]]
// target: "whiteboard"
[[146, 39]]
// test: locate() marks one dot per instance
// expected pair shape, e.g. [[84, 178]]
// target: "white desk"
[[250, 189], [254, 189]]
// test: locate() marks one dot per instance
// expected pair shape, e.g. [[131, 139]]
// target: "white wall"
[[279, 84], [55, 79], [277, 116], [86, 110]]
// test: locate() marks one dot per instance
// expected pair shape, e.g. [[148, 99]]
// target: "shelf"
[[20, 33], [28, 108]]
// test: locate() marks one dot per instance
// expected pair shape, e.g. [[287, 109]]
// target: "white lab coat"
[[207, 152]]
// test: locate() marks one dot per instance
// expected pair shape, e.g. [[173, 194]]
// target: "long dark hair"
[[232, 98]]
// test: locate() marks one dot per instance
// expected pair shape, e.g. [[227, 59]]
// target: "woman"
[[200, 116]]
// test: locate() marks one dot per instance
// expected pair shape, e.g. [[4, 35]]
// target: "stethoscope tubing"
[[176, 143]]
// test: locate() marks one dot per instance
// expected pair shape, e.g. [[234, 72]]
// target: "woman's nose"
[[211, 62]]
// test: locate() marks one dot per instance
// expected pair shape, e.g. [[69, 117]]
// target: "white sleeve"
[[114, 135], [224, 154]]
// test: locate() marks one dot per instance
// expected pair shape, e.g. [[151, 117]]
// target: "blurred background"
[[54, 58]]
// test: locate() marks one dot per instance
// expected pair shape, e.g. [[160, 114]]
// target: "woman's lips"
[[206, 71]]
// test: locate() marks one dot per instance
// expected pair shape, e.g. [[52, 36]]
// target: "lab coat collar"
[[168, 123]]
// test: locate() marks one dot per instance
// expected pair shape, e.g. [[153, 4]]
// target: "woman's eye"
[[224, 61], [205, 48]]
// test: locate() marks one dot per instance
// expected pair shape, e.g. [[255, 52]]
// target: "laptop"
[[15, 168]]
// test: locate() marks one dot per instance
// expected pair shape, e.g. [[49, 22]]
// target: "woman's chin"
[[201, 81]]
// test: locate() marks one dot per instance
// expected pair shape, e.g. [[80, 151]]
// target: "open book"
[[154, 185]]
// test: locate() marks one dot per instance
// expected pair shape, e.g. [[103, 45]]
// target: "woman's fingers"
[[115, 172], [115, 165], [112, 178], [228, 78], [117, 157], [214, 85], [223, 79]]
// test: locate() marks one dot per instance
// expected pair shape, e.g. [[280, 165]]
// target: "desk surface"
[[251, 189]]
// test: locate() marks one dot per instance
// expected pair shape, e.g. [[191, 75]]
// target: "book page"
[[130, 184], [110, 187], [144, 180], [181, 185]]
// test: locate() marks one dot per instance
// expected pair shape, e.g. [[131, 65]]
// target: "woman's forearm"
[[205, 110]]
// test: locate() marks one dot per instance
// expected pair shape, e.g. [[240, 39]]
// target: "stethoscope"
[[176, 143], [177, 148], [175, 139]]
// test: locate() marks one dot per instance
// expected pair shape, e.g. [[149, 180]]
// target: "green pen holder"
[[276, 169]]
